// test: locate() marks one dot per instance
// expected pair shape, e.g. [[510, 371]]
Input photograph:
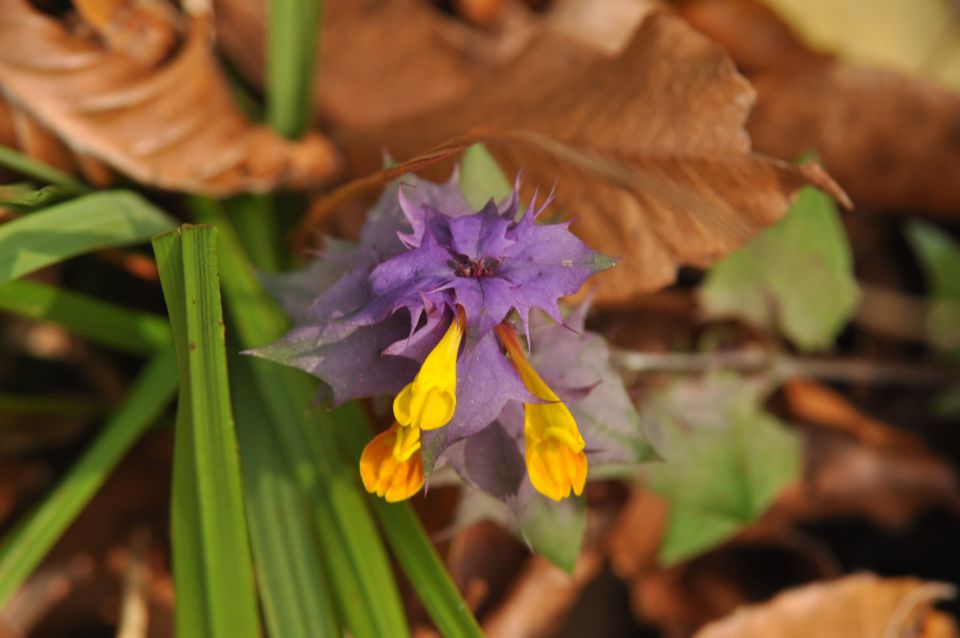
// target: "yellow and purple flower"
[[426, 307]]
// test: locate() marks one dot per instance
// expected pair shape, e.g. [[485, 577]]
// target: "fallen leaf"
[[380, 60], [861, 606], [795, 277], [888, 138], [859, 466], [647, 150], [172, 125], [752, 32]]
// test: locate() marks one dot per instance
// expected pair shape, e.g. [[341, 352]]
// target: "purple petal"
[[354, 366], [486, 381]]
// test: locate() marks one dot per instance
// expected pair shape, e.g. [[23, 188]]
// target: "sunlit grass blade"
[[90, 222], [213, 573], [100, 321], [28, 197], [413, 549], [29, 167], [355, 558], [31, 539], [297, 600], [291, 61]]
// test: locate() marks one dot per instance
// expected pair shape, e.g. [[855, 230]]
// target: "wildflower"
[[422, 308]]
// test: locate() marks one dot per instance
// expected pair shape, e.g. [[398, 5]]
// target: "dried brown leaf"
[[380, 60], [172, 125], [862, 606], [753, 33], [890, 139], [648, 149]]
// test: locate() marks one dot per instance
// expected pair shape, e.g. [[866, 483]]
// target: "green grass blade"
[[106, 323], [33, 537], [291, 62], [297, 600], [356, 560], [212, 562], [30, 167], [90, 222], [413, 549]]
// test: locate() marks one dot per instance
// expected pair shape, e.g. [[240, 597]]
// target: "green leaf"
[[106, 323], [34, 535], [555, 530], [795, 277], [726, 461], [297, 600], [30, 167], [356, 560], [939, 255], [213, 574], [91, 222], [291, 61], [482, 178]]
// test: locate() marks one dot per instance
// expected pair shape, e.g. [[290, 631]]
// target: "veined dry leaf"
[[380, 60], [861, 606], [647, 150], [173, 125]]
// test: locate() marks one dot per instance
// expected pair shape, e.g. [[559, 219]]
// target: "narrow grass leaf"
[[297, 599], [213, 571], [91, 222], [355, 558], [31, 539], [411, 545], [291, 61], [100, 321], [29, 167]]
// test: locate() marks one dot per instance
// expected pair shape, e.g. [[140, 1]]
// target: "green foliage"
[[555, 530], [213, 573], [356, 561], [106, 323], [481, 177], [795, 277], [90, 222], [27, 197], [25, 165], [35, 534], [297, 600], [291, 62], [726, 460], [939, 255]]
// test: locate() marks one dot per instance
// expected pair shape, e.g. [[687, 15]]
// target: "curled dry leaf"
[[80, 104], [861, 606], [648, 149]]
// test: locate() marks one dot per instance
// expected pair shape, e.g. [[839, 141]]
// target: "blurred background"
[[823, 315]]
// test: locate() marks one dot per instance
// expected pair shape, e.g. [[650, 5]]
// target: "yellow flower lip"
[[430, 400], [554, 454], [391, 466]]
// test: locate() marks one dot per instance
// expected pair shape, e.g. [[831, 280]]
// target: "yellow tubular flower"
[[556, 462], [391, 466], [429, 401]]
